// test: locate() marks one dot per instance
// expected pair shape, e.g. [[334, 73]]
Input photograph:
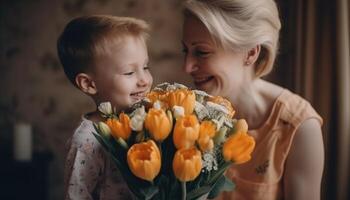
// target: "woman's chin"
[[207, 86]]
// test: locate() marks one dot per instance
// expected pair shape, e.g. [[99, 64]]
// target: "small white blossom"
[[179, 86], [147, 100], [216, 111], [229, 122], [220, 136], [217, 107], [162, 86], [137, 119], [170, 88], [158, 105], [200, 110], [105, 108], [178, 111], [104, 129], [201, 93], [209, 162], [219, 122]]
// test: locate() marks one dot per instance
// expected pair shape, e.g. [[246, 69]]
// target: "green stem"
[[183, 187]]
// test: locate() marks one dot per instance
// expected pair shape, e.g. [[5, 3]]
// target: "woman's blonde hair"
[[240, 25]]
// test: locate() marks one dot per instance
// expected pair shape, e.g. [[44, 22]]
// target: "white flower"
[[158, 105], [229, 122], [201, 93], [104, 129], [137, 119], [220, 136], [170, 88], [162, 86], [180, 86], [209, 161], [217, 107], [216, 111], [178, 111], [200, 110], [219, 122], [105, 108]]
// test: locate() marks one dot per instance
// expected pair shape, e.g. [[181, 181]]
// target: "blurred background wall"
[[34, 89], [32, 84]]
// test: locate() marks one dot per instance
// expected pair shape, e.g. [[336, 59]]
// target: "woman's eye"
[[146, 68], [201, 53]]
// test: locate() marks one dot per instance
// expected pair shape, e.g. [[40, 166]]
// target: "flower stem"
[[183, 187]]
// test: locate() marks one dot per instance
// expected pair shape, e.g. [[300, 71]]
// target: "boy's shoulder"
[[83, 137]]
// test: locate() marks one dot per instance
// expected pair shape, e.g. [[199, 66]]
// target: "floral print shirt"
[[89, 173]]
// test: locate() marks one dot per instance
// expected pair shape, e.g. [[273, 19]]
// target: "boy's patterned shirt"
[[89, 173]]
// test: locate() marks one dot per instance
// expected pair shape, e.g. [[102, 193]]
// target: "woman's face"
[[213, 69]]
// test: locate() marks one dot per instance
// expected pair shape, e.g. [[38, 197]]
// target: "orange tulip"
[[144, 160], [187, 164], [153, 96], [186, 131], [158, 124], [206, 133], [120, 128], [241, 126], [184, 98], [238, 148], [224, 102]]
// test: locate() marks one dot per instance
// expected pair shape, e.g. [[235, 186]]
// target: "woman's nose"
[[189, 64]]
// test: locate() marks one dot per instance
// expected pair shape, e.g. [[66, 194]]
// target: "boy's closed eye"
[[132, 72], [129, 73]]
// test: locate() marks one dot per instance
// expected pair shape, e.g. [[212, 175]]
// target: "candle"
[[22, 142]]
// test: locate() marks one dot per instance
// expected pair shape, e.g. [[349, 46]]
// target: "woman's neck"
[[254, 102]]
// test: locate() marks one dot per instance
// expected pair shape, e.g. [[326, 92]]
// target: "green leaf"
[[216, 175], [101, 141], [174, 191], [223, 184], [198, 192], [140, 188]]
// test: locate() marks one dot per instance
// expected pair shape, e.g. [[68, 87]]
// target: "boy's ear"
[[252, 55], [86, 84]]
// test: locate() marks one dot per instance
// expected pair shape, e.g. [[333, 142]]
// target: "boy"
[[106, 58]]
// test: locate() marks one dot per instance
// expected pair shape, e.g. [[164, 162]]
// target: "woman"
[[229, 45]]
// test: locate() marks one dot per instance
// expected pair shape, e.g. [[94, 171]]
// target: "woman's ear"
[[252, 55], [86, 84]]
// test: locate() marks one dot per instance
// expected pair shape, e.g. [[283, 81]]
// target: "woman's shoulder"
[[296, 109], [292, 107]]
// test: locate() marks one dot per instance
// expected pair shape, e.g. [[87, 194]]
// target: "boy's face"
[[122, 76]]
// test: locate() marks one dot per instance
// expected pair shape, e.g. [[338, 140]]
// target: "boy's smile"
[[139, 95]]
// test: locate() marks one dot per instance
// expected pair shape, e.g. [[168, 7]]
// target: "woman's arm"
[[304, 165]]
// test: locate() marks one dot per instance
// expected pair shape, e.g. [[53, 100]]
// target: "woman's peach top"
[[262, 177]]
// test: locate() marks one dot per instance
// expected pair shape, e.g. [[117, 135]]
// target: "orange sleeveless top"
[[261, 177]]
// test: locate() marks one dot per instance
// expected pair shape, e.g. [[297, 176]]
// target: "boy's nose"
[[143, 80], [190, 65]]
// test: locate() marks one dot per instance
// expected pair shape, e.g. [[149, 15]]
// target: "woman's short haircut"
[[240, 25]]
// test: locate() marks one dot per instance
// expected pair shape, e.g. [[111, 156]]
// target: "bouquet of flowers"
[[176, 143]]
